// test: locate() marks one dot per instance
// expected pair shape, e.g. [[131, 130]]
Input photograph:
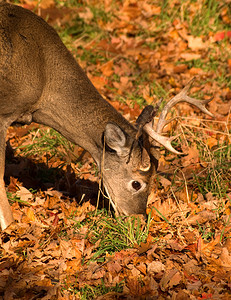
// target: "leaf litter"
[[50, 250]]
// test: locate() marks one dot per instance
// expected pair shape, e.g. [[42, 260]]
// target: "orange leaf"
[[107, 68], [211, 142], [12, 187], [30, 214]]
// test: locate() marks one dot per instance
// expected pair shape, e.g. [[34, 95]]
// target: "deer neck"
[[71, 105]]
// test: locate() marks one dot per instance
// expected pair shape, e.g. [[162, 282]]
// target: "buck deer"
[[40, 81]]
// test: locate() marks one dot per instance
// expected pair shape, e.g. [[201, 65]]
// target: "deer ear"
[[115, 138]]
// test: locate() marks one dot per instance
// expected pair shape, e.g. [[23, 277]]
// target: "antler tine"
[[182, 97], [163, 140]]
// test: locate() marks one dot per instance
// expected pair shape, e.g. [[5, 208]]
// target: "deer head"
[[128, 179], [127, 170]]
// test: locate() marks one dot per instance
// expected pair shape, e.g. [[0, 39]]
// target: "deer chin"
[[123, 212]]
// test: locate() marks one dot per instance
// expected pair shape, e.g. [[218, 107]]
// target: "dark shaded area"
[[38, 176]]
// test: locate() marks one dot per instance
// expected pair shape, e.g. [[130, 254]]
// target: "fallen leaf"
[[13, 186], [87, 15], [143, 247], [30, 216], [190, 56], [211, 142], [225, 258], [202, 217], [114, 267], [155, 267], [170, 278], [196, 43], [192, 158], [107, 68], [24, 194], [219, 36], [180, 68], [224, 108], [196, 71]]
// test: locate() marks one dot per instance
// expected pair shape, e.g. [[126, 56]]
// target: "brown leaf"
[[190, 237], [155, 267], [73, 265], [224, 108], [87, 15], [130, 11], [143, 247], [180, 68], [30, 216], [182, 295], [196, 71], [192, 158], [225, 258], [175, 245], [192, 268], [99, 82], [149, 10], [114, 267], [190, 56], [171, 278], [142, 268], [165, 182], [13, 187], [24, 194], [46, 3], [107, 68], [202, 217]]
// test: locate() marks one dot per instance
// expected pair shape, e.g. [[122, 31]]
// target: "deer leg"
[[6, 216]]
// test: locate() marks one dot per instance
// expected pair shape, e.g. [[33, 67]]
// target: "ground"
[[65, 242]]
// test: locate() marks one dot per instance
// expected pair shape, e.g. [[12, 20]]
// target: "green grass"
[[110, 235], [92, 57], [50, 143], [84, 31], [117, 234], [207, 232], [91, 292], [207, 18], [215, 173], [67, 3], [14, 198], [204, 17], [114, 234], [157, 91], [216, 177]]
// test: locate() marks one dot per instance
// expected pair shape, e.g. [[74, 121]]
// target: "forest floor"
[[65, 243]]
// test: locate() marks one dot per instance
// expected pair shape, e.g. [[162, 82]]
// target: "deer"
[[40, 81]]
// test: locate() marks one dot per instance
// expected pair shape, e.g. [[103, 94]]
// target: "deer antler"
[[181, 97]]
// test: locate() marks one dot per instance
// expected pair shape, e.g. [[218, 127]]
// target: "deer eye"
[[136, 185]]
